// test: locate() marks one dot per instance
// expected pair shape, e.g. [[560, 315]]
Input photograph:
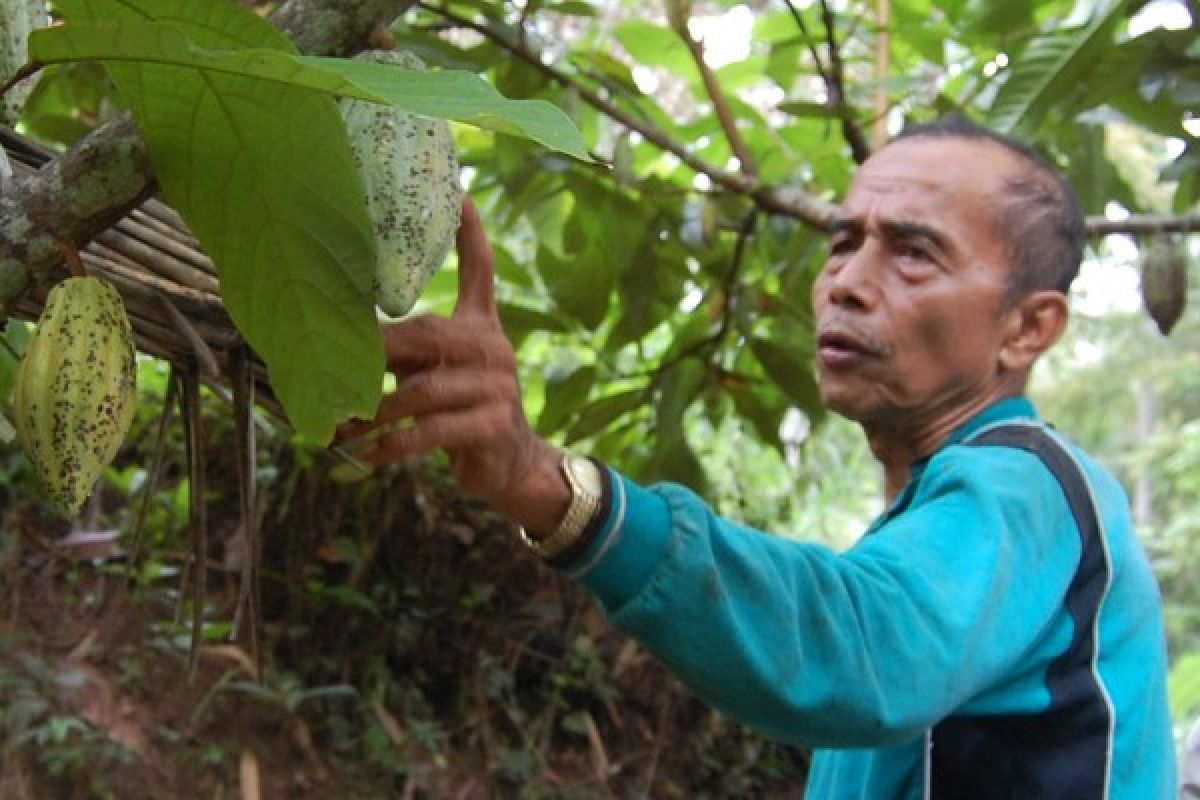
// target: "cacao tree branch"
[[719, 101], [335, 27], [1143, 225], [786, 201], [859, 149], [69, 201], [832, 78]]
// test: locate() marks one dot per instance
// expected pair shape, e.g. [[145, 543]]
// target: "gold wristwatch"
[[587, 495]]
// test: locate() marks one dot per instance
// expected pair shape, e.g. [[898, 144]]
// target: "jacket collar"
[[1008, 408]]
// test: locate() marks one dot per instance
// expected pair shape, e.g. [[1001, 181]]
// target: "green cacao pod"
[[18, 18], [1164, 282], [76, 389], [409, 172]]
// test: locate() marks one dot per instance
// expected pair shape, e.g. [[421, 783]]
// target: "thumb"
[[476, 270]]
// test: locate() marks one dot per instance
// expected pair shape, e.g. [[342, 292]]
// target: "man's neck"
[[898, 446]]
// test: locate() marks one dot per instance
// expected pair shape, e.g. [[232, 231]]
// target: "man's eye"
[[912, 251], [841, 247]]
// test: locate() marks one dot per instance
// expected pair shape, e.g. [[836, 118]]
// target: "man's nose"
[[853, 283]]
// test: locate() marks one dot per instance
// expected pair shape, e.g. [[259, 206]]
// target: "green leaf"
[[1093, 175], [673, 458], [574, 8], [281, 214], [764, 408], [520, 321], [1050, 67], [680, 388], [1183, 686], [657, 46], [450, 94], [580, 285], [16, 337], [804, 108], [792, 370], [999, 18], [602, 412], [564, 396]]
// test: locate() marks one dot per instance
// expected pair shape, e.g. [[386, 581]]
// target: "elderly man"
[[996, 633]]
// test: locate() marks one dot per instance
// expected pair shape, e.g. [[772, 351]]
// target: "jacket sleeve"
[[856, 649]]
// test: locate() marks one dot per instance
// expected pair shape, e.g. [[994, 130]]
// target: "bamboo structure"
[[168, 284]]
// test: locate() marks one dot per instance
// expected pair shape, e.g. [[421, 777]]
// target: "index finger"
[[476, 270]]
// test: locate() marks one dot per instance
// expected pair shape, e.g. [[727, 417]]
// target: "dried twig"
[[150, 484], [204, 355], [193, 439], [242, 378]]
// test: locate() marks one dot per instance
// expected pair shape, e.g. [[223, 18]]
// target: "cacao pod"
[[1164, 282], [19, 19], [409, 172], [76, 389]]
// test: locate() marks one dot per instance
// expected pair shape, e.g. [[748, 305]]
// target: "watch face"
[[587, 474]]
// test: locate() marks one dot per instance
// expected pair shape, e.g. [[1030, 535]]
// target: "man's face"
[[909, 306]]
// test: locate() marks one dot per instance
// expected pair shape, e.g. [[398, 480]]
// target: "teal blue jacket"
[[955, 614]]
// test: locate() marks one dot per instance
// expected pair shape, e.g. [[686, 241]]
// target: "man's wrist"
[[586, 479], [541, 497]]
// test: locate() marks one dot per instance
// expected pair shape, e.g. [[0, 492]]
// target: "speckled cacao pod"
[[409, 172], [18, 18], [76, 389], [1164, 282]]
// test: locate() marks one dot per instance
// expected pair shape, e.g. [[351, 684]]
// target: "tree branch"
[[859, 148], [1143, 225], [832, 78], [780, 200], [69, 201], [719, 101], [335, 27]]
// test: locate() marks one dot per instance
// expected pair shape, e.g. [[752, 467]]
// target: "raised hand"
[[457, 390]]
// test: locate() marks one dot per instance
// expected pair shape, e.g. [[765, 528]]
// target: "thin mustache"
[[859, 334]]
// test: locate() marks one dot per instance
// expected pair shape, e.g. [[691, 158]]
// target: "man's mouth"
[[838, 347]]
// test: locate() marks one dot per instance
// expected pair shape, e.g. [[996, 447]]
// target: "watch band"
[[586, 501]]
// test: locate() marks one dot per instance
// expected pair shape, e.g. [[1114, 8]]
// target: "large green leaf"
[[602, 412], [792, 370], [450, 94], [1050, 67], [262, 173], [673, 458], [565, 393]]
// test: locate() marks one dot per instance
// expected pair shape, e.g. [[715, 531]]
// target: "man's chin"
[[852, 402]]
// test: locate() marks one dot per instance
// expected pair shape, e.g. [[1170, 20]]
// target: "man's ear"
[[1034, 324]]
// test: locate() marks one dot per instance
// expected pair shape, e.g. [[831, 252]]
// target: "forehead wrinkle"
[[894, 228], [899, 229]]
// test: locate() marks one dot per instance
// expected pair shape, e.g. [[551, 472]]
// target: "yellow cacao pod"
[[76, 389], [409, 172]]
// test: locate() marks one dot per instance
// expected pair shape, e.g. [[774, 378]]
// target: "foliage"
[[658, 295], [68, 747], [661, 288], [282, 217]]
